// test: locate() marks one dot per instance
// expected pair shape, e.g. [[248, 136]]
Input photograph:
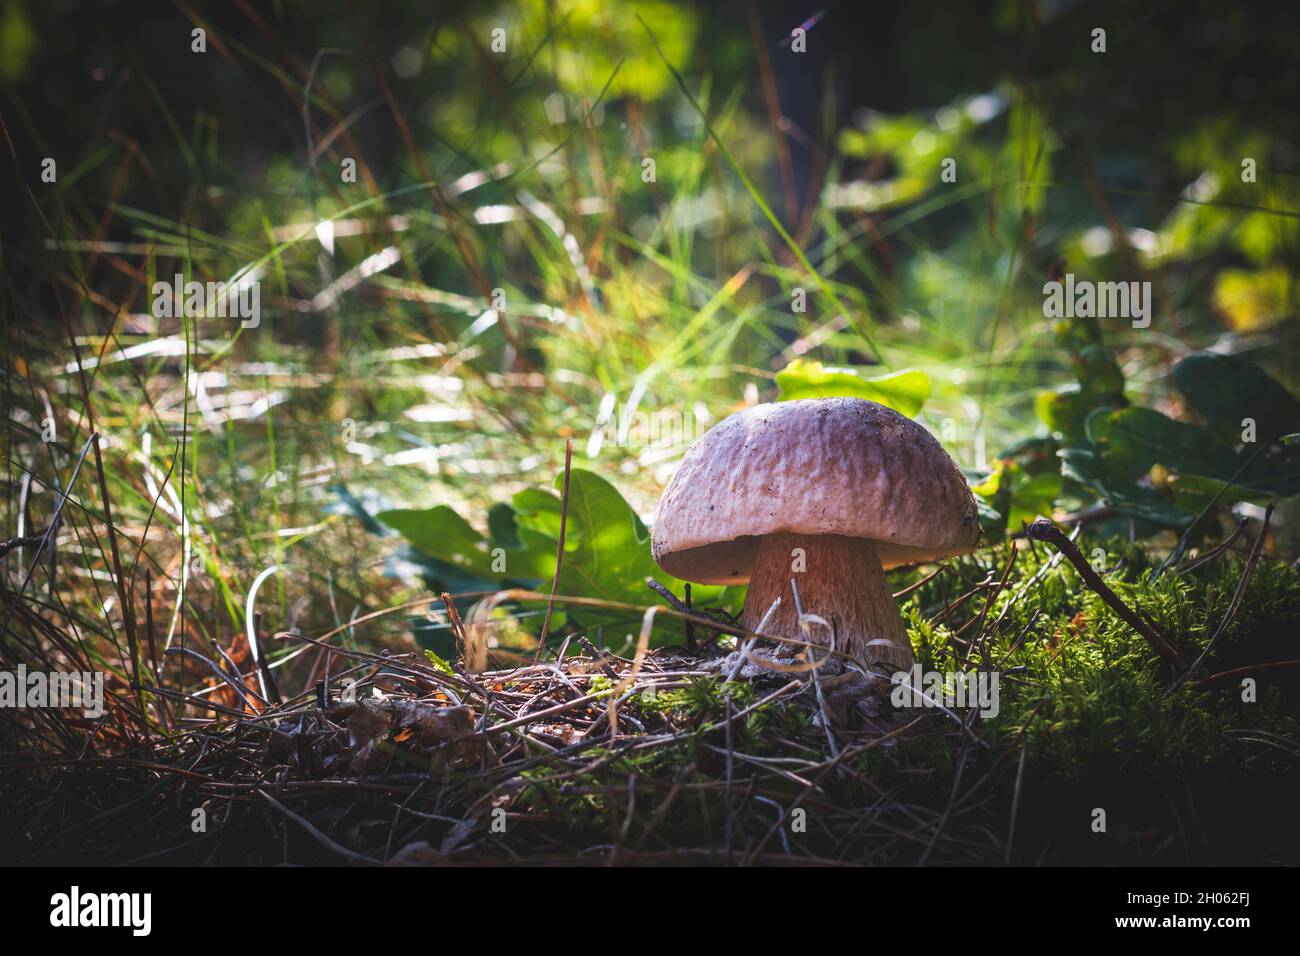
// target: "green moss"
[[1090, 694]]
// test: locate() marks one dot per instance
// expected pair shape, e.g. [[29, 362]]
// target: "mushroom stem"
[[839, 579]]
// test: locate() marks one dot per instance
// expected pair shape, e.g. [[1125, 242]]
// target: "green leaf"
[[437, 662], [1032, 497], [607, 547], [606, 552], [502, 526], [992, 492], [1008, 496], [538, 511], [441, 533], [1274, 470], [451, 551], [1035, 455], [1225, 389], [1131, 440], [1084, 466], [904, 391], [1196, 492]]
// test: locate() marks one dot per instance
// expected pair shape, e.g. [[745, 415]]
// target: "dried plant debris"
[[746, 751]]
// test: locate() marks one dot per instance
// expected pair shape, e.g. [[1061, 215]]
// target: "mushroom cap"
[[813, 466]]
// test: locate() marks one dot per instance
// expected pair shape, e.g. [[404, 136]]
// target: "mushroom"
[[826, 491]]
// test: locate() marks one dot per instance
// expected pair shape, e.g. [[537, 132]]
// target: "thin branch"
[[1043, 530], [1235, 604]]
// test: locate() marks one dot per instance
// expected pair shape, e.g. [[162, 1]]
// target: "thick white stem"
[[840, 579]]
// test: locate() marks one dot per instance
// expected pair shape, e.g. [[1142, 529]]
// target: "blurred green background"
[[503, 274]]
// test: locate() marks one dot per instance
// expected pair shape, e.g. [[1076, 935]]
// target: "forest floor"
[[1096, 751]]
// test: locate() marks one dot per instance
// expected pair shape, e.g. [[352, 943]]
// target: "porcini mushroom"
[[829, 492]]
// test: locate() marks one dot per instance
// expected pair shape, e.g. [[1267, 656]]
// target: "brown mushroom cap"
[[814, 466]]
